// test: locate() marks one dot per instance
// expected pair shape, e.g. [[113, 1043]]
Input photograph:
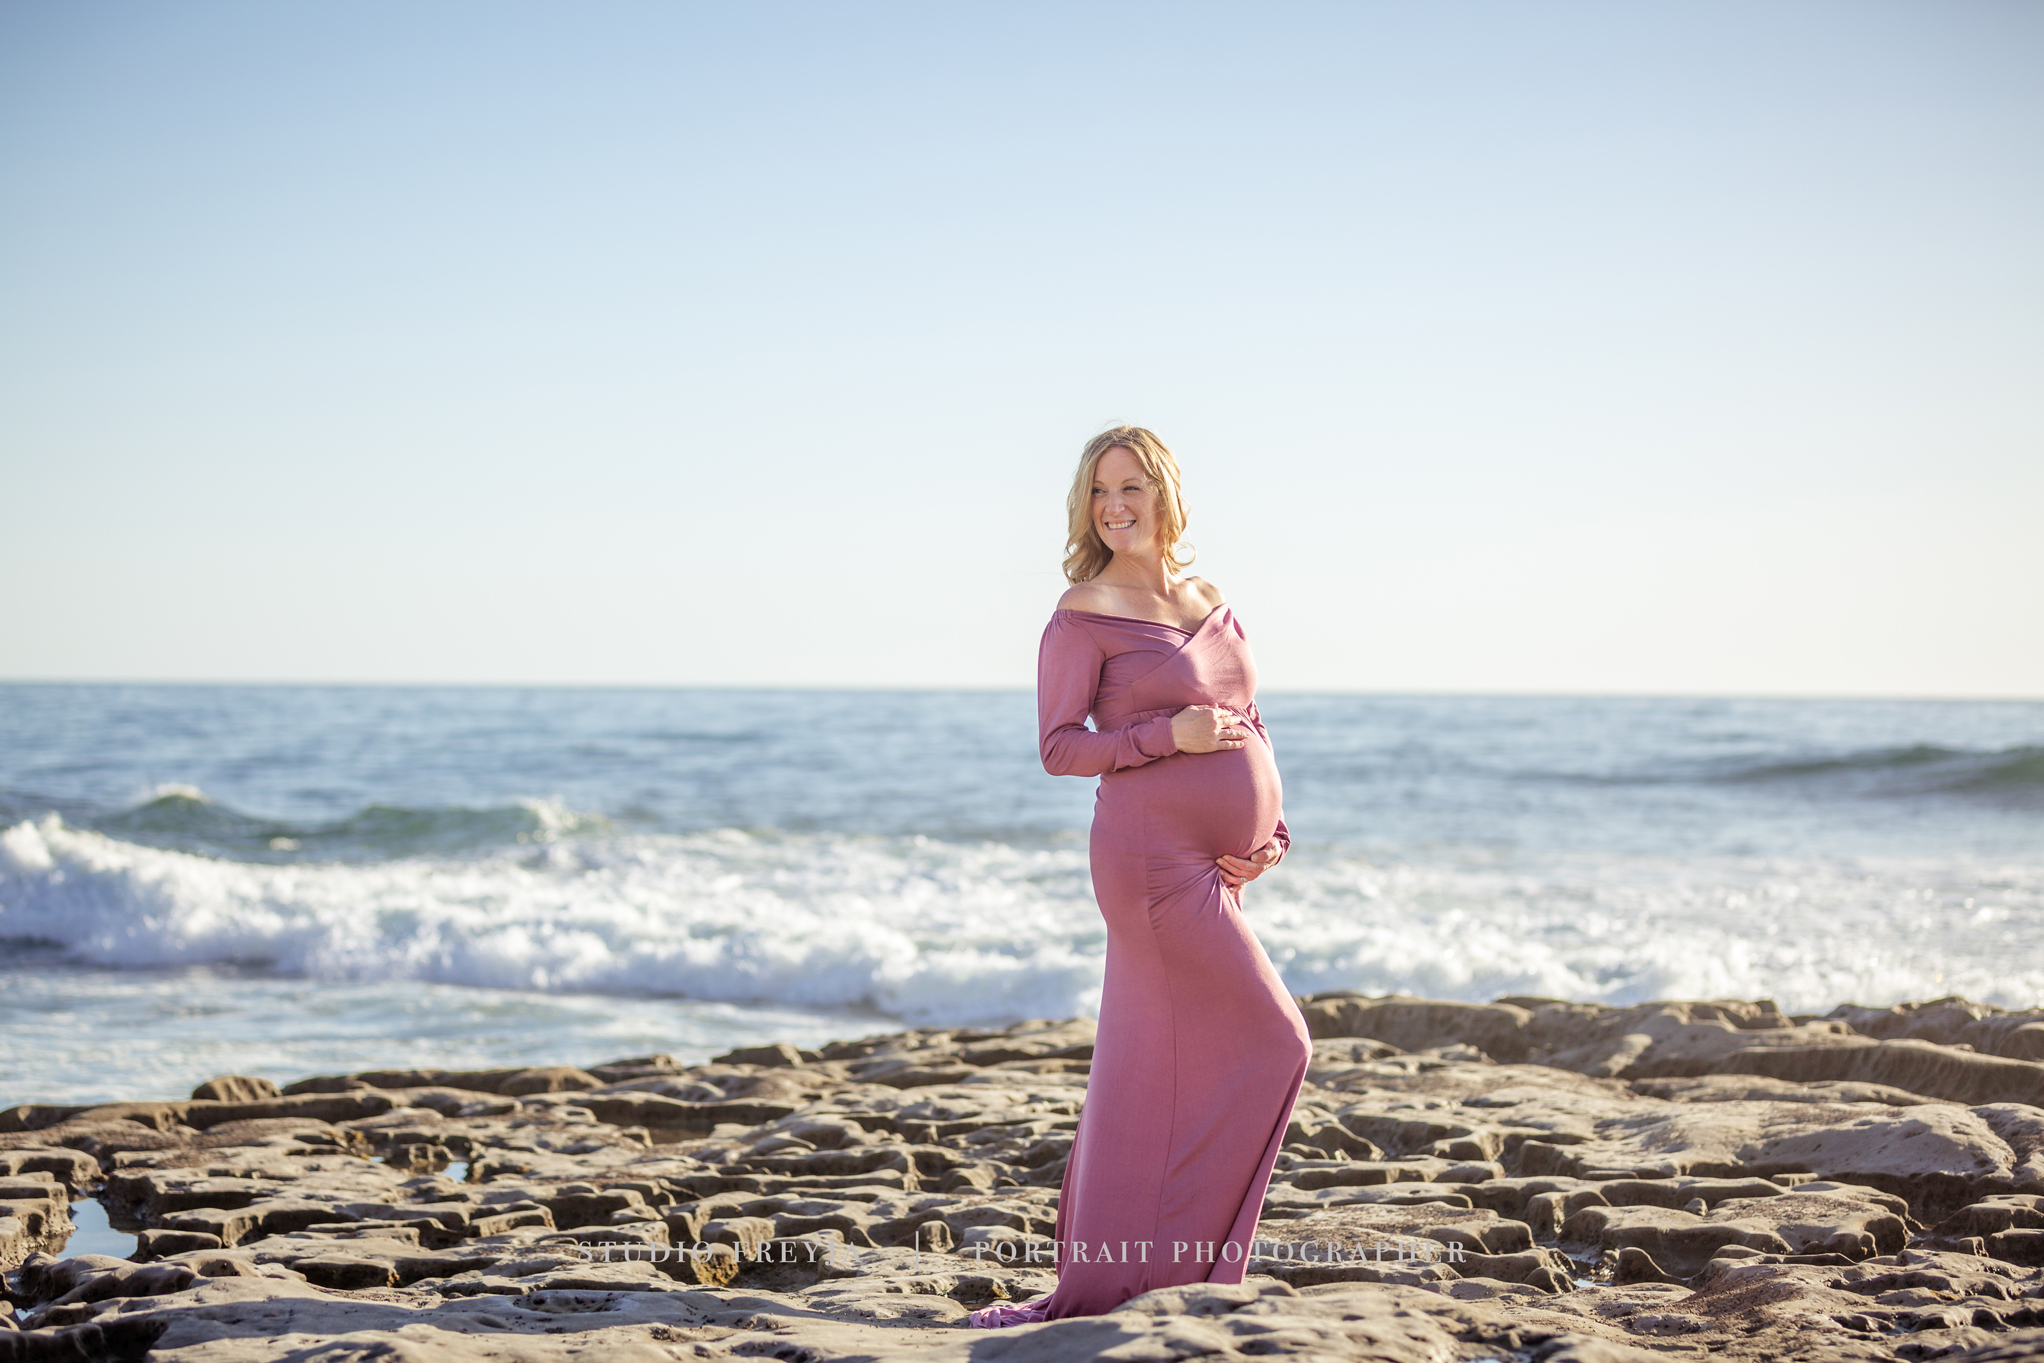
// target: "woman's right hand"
[[1208, 728]]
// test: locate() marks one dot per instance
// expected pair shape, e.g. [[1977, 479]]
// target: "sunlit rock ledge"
[[1527, 1179]]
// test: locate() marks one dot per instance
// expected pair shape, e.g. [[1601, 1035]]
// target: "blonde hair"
[[1085, 554]]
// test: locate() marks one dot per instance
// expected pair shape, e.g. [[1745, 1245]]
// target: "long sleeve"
[[1067, 678], [1282, 836]]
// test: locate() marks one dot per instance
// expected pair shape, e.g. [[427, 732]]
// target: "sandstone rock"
[[780, 1053], [346, 1273], [2021, 1346], [161, 1244], [1822, 1219], [504, 1083], [38, 1116], [548, 1079], [1913, 1066], [2021, 1128], [1937, 1156], [1677, 1242], [1730, 1088], [1498, 1030], [2011, 1211], [35, 1217], [1915, 1050], [1953, 1022], [1635, 1265], [855, 1204], [74, 1169], [236, 1088], [2018, 1246], [635, 1067], [116, 1340]]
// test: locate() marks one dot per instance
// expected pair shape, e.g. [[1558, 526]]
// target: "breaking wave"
[[938, 932], [183, 818], [1916, 767]]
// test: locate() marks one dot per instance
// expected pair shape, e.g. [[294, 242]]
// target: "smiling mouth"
[[1118, 525]]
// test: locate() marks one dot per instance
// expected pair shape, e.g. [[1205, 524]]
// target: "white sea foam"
[[938, 932]]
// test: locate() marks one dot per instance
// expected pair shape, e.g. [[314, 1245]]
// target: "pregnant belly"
[[1199, 805]]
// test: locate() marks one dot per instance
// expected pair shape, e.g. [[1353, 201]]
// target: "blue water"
[[285, 880]]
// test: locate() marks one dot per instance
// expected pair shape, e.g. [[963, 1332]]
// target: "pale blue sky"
[[1507, 347]]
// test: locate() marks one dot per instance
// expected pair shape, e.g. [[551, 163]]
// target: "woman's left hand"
[[1239, 871]]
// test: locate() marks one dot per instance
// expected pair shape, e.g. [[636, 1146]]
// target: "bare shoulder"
[[1206, 593], [1088, 596]]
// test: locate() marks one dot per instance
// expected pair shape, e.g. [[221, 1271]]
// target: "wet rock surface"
[[1527, 1180]]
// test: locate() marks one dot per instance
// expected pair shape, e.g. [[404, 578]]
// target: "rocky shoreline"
[[1527, 1180]]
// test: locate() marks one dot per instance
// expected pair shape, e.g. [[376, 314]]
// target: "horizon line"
[[991, 689]]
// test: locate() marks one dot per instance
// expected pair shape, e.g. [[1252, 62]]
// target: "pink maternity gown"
[[1201, 1050]]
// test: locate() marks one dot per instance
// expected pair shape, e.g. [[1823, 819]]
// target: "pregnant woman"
[[1200, 1050]]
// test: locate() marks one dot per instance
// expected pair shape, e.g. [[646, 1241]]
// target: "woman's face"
[[1124, 502]]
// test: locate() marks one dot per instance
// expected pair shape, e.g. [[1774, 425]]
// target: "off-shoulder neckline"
[[1139, 620]]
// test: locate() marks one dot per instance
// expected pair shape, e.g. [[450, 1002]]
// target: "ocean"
[[286, 880]]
